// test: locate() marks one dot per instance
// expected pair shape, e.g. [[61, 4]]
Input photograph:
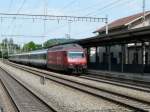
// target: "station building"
[[130, 56]]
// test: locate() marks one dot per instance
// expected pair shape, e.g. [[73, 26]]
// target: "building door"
[[135, 58], [146, 58]]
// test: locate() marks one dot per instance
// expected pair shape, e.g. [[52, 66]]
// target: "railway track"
[[116, 82], [23, 99], [119, 80], [7, 104], [136, 104]]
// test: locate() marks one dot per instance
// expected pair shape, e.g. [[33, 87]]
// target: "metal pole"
[[143, 44], [7, 48], [69, 29], [123, 55], [88, 55], [108, 47], [2, 52], [45, 15], [109, 58], [106, 24], [136, 51], [97, 58], [143, 56], [143, 13]]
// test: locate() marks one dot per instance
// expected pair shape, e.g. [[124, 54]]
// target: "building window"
[[113, 59], [135, 58], [104, 58], [120, 57], [93, 54]]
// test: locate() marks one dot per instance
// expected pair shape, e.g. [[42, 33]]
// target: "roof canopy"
[[122, 37]]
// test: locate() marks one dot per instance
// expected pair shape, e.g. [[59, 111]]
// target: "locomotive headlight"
[[70, 64]]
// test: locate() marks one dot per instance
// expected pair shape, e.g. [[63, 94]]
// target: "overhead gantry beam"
[[52, 17]]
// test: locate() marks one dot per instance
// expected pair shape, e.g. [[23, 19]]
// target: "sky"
[[32, 29]]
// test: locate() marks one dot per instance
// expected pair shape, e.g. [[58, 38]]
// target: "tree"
[[0, 54], [4, 42], [56, 41], [50, 42], [38, 46], [31, 46]]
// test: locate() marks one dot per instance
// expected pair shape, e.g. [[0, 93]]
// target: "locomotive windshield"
[[75, 54]]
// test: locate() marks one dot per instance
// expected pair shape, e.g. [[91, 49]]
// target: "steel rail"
[[116, 83], [111, 96], [119, 80], [9, 95], [50, 107]]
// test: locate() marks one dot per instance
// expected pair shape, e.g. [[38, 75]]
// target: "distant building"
[[126, 23], [133, 51]]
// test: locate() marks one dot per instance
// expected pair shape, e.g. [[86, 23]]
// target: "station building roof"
[[123, 22], [122, 37]]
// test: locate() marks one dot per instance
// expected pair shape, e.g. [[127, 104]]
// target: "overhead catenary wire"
[[27, 36], [18, 11], [69, 4], [97, 11], [22, 4], [113, 6], [44, 22], [54, 17], [10, 5], [86, 8], [102, 8], [56, 28], [73, 1]]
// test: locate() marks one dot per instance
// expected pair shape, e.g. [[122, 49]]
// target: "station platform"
[[143, 77]]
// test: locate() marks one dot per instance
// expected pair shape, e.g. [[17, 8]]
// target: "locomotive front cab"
[[77, 61]]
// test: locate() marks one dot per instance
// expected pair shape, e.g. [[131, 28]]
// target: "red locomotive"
[[69, 57]]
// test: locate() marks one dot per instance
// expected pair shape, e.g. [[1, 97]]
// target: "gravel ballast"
[[137, 94], [64, 98]]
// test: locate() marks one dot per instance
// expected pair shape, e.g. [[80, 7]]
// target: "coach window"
[[44, 56], [33, 55], [40, 56]]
